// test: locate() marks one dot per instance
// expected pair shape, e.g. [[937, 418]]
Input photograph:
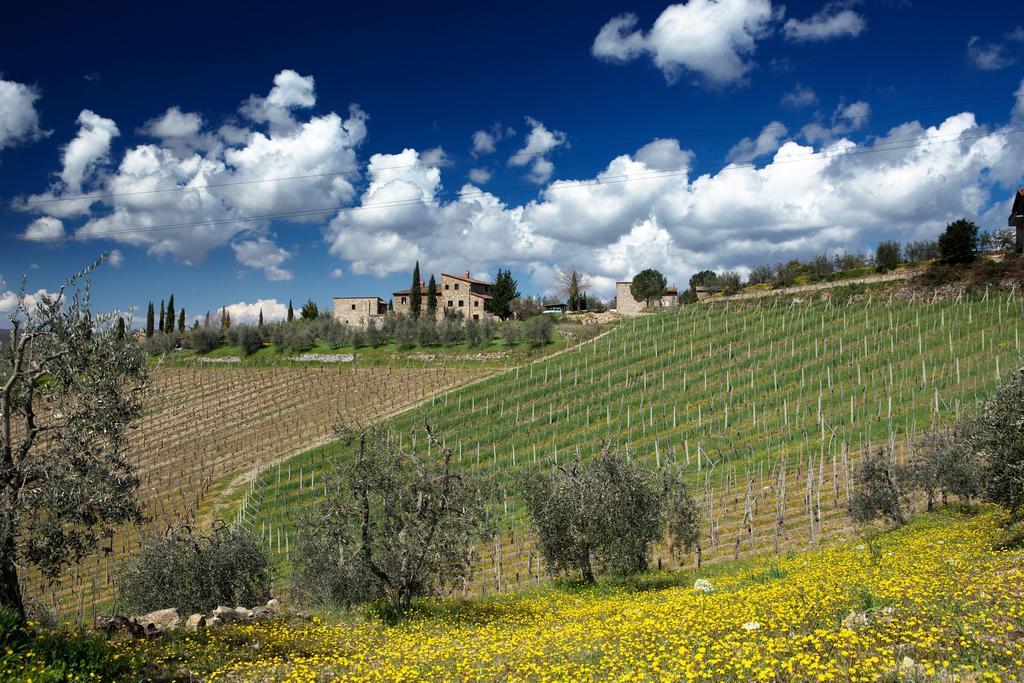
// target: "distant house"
[[460, 294], [556, 308], [455, 294], [626, 304], [1016, 219], [358, 311]]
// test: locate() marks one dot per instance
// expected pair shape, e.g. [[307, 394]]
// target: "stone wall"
[[357, 311]]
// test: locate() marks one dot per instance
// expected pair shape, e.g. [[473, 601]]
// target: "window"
[[403, 299], [476, 317], [446, 286], [460, 302], [450, 303], [476, 304], [353, 307], [457, 286]]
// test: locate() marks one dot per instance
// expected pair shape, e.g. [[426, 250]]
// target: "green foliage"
[[916, 252], [881, 489], [50, 656], [160, 343], [607, 510], [703, 278], [760, 275], [959, 242], [943, 466], [997, 432], [394, 526], [682, 513], [648, 285], [195, 573], [432, 296], [405, 331], [887, 255], [291, 311], [504, 291], [537, 331], [248, 338], [527, 307], [310, 311], [169, 320], [66, 492], [181, 320], [450, 331], [150, 320], [426, 330], [203, 339], [415, 295]]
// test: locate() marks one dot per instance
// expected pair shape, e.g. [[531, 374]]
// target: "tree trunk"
[[586, 569], [10, 590]]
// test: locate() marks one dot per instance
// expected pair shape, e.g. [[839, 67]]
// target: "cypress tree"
[[149, 320], [432, 297], [120, 328], [503, 293], [170, 316], [206, 321], [261, 319], [415, 304], [181, 321], [291, 311], [161, 327]]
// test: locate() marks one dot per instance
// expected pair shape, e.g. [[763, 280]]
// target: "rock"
[[246, 613], [212, 622], [193, 622], [855, 619], [227, 615], [115, 625], [259, 613], [160, 621], [909, 668], [703, 586], [273, 603]]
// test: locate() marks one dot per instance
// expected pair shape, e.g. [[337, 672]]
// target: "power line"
[[561, 185], [452, 161]]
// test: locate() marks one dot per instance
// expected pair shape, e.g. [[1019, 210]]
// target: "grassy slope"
[[933, 598], [730, 391]]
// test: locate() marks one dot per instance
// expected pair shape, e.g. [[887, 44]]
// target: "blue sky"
[[528, 136]]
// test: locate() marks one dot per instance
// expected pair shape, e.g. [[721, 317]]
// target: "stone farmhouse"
[[456, 294], [626, 304]]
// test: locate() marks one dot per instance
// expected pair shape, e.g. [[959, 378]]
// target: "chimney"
[[467, 274]]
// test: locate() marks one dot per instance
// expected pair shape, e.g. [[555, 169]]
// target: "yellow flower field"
[[930, 601]]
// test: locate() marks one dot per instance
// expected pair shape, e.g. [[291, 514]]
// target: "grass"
[[736, 394], [938, 603]]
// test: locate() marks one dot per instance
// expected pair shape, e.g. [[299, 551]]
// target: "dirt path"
[[891, 276]]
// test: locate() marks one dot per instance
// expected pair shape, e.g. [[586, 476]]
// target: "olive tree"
[[608, 510], [69, 388], [882, 489], [394, 524], [997, 436]]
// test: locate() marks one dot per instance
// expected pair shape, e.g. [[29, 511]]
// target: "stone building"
[[626, 304], [1016, 220], [358, 311], [455, 294]]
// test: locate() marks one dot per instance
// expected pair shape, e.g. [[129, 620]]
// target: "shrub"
[[537, 331], [846, 261], [203, 339], [246, 337], [474, 336], [607, 510], [450, 330], [510, 332], [299, 337], [887, 255], [373, 335], [395, 525], [946, 466], [760, 275], [159, 343], [405, 331], [820, 267], [195, 573], [338, 335], [729, 282], [959, 243], [881, 489], [426, 330]]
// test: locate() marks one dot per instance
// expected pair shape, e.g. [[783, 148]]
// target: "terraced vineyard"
[[766, 405], [205, 427]]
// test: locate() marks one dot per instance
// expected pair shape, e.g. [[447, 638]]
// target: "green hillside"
[[736, 393]]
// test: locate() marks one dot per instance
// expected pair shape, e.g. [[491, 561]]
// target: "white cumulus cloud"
[[769, 140], [834, 20], [243, 312], [710, 38], [539, 142], [19, 119], [45, 228]]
